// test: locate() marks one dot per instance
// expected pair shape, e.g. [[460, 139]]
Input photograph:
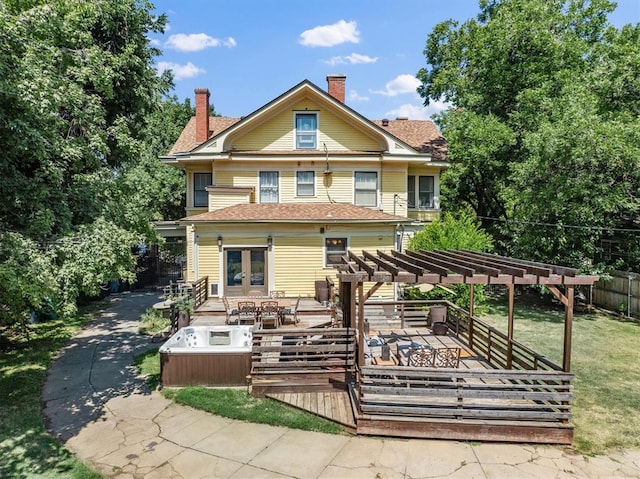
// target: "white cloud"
[[154, 42], [331, 35], [180, 71], [353, 96], [194, 42], [418, 112], [412, 112], [401, 84], [352, 59]]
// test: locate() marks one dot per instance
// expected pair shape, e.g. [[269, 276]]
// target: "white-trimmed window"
[[200, 183], [269, 186], [334, 249], [306, 131], [305, 183], [365, 188], [420, 192]]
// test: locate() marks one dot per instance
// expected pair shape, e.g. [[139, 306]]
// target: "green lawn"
[[605, 360], [235, 403], [26, 448]]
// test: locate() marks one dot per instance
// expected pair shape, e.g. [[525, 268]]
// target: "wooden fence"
[[620, 294], [302, 360], [503, 405], [200, 291]]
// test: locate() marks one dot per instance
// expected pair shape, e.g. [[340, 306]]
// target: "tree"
[[543, 128], [77, 85], [452, 233]]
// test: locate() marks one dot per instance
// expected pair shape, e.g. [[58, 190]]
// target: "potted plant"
[[184, 306]]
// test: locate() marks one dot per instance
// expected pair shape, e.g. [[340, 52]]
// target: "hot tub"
[[207, 356]]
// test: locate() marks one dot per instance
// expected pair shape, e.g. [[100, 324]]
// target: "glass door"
[[245, 272]]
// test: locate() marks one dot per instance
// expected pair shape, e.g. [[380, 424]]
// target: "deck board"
[[334, 406]]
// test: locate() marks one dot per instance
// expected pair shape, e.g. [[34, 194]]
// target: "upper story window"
[[306, 131], [305, 183], [420, 192], [200, 182], [366, 188], [268, 187]]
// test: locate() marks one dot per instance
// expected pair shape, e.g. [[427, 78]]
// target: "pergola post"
[[471, 312], [511, 289], [568, 326], [360, 323]]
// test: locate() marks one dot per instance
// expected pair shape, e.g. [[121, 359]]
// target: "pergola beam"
[[456, 267]]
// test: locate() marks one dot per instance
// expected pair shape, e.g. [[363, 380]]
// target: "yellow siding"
[[340, 185], [208, 259], [394, 182], [218, 201], [278, 132], [298, 264]]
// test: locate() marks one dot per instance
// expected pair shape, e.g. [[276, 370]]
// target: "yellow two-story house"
[[274, 199]]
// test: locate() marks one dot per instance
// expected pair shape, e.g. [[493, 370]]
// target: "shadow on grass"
[[55, 383], [148, 364], [532, 307]]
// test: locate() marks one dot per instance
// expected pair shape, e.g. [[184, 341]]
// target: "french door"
[[245, 271]]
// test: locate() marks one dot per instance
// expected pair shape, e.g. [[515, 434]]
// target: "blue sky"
[[247, 52]]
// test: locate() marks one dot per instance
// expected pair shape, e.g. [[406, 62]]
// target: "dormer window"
[[306, 131]]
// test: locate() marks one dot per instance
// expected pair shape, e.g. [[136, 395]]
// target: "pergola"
[[455, 267]]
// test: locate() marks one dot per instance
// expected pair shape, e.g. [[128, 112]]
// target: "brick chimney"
[[335, 85], [202, 114]]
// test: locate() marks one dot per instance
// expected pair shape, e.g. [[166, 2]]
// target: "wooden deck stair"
[[335, 406]]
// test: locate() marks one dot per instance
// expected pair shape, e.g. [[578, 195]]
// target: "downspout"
[[195, 253]]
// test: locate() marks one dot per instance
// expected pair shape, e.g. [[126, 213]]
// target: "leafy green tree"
[[543, 128], [452, 232], [77, 88]]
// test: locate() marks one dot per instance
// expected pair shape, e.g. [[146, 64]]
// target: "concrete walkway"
[[96, 405]]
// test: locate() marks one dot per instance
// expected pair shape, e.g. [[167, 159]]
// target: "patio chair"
[[292, 312], [421, 357], [247, 312], [277, 294], [269, 314], [229, 311], [447, 358]]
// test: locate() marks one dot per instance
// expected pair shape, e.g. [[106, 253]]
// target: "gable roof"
[[421, 135], [296, 213]]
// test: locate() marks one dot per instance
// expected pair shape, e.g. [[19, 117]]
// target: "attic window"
[[306, 131]]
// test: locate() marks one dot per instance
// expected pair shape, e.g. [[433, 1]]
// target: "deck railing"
[[499, 399], [302, 359], [485, 340], [200, 291]]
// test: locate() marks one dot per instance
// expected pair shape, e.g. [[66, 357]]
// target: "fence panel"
[[620, 294]]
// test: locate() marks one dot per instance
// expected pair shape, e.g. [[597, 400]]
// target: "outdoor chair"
[[277, 294], [247, 312], [421, 357], [229, 311], [269, 314], [447, 358], [292, 312]]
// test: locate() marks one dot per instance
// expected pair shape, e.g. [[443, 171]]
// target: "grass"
[[152, 321], [605, 354], [235, 403], [27, 450]]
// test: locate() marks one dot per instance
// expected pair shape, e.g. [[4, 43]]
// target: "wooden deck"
[[335, 406]]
